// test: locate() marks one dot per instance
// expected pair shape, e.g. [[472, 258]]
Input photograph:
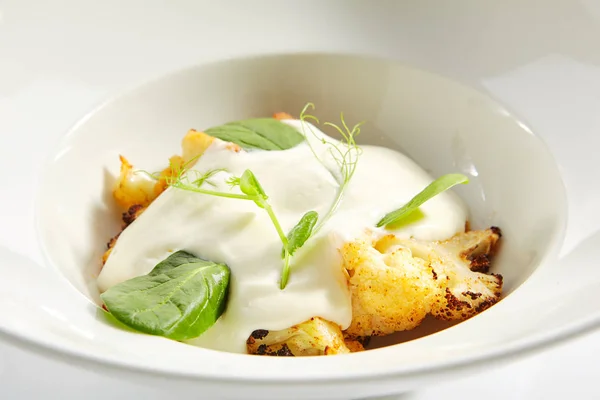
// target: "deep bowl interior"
[[442, 125]]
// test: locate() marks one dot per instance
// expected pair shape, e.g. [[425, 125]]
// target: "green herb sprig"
[[181, 177], [345, 153], [297, 236], [436, 187]]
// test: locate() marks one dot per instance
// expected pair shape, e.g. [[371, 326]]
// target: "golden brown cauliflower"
[[311, 338], [134, 188], [395, 282], [390, 291], [459, 263]]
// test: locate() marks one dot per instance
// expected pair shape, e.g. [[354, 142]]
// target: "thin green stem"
[[214, 193], [331, 211], [276, 224], [346, 160], [285, 272]]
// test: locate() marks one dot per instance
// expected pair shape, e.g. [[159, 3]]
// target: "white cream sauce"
[[241, 235]]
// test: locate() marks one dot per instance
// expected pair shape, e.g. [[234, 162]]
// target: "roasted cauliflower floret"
[[193, 145], [128, 217], [396, 282], [457, 263], [132, 188], [390, 292], [311, 338]]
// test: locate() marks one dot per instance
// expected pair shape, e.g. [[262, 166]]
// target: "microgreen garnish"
[[296, 238], [250, 186], [204, 178], [300, 233], [182, 177], [436, 187], [345, 153], [233, 181]]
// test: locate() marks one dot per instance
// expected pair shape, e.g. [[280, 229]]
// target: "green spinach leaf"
[[258, 133], [179, 299]]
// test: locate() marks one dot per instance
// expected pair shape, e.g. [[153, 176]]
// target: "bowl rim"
[[529, 345]]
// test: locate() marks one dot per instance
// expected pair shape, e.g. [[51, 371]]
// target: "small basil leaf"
[[180, 299], [258, 133], [250, 186], [300, 233], [436, 187]]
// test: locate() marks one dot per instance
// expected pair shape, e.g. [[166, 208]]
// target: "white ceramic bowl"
[[444, 126]]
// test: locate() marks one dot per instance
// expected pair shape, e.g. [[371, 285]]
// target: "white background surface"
[[59, 59]]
